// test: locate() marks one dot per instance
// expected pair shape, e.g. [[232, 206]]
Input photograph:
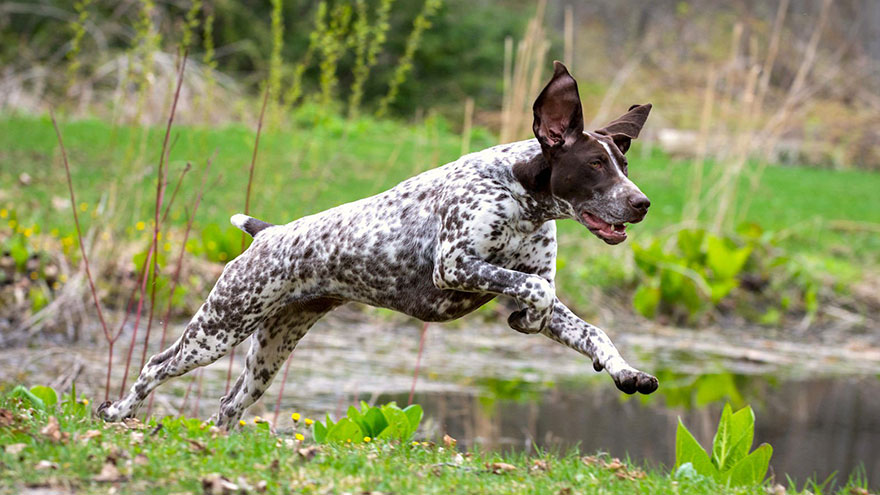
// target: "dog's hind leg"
[[271, 344], [242, 298]]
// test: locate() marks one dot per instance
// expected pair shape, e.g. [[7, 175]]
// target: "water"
[[816, 427]]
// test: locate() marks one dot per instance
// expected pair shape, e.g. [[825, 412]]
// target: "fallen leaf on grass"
[[564, 491], [6, 418], [109, 473], [137, 437], [133, 424], [44, 464], [540, 465], [85, 437], [195, 446], [215, 484], [53, 432], [449, 442], [500, 467], [15, 448], [308, 453], [141, 460]]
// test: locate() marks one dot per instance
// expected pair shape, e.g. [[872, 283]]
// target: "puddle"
[[816, 427]]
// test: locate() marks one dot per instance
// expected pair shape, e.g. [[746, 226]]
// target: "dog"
[[435, 247]]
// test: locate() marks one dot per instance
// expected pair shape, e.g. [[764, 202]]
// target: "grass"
[[69, 449], [321, 160]]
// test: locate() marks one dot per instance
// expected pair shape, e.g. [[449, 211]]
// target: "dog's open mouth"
[[610, 233]]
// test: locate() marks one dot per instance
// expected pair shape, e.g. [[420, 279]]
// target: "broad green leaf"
[[721, 288], [690, 242], [355, 415], [23, 393], [319, 431], [752, 469], [398, 423], [414, 413], [345, 430], [646, 299], [742, 428], [687, 449], [46, 394], [721, 443], [376, 422], [724, 258]]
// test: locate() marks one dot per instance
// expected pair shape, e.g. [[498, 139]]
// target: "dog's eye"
[[596, 164]]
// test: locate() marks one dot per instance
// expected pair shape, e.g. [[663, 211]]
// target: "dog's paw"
[[630, 381], [524, 321]]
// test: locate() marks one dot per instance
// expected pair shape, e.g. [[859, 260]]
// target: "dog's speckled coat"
[[435, 247]]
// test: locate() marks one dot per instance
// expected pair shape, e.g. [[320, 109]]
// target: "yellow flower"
[[257, 420], [56, 285], [167, 247], [367, 439], [299, 437], [295, 417], [12, 224], [28, 232], [140, 225], [222, 256], [62, 278], [4, 213], [347, 440], [83, 206], [34, 275], [85, 402], [54, 232], [414, 443], [241, 422], [309, 421]]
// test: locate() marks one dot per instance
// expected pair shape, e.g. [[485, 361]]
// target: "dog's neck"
[[532, 171]]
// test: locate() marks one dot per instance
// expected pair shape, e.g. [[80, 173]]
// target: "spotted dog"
[[435, 247]]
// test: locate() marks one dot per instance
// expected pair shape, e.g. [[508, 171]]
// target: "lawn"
[[68, 449]]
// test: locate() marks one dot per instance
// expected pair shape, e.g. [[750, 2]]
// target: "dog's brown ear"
[[558, 113], [628, 126]]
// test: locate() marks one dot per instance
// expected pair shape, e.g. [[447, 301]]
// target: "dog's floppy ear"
[[558, 113], [628, 126]]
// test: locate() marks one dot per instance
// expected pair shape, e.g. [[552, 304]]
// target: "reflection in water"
[[816, 427]]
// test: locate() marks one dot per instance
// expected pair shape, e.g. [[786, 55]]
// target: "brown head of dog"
[[585, 171]]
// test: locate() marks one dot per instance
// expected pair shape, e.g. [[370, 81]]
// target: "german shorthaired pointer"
[[435, 247]]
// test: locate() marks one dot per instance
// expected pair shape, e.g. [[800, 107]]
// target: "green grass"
[[183, 453], [320, 160]]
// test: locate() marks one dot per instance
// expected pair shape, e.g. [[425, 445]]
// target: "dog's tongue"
[[602, 226]]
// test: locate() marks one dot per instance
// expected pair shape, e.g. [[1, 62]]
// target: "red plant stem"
[[185, 397], [137, 322], [198, 393], [412, 389], [179, 264], [281, 390], [247, 208], [160, 190], [82, 250], [176, 189]]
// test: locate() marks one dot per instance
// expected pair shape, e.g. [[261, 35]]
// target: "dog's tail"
[[249, 224]]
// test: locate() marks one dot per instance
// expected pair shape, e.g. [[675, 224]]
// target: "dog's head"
[[588, 169]]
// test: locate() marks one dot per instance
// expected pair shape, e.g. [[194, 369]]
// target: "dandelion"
[[4, 213], [12, 224], [295, 417], [167, 247], [84, 207], [257, 420], [34, 275], [347, 440], [140, 225], [367, 439], [62, 278], [105, 236], [414, 443], [85, 402], [299, 437], [28, 232], [241, 422], [308, 421]]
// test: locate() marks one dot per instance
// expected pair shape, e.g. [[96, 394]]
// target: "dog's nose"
[[639, 202]]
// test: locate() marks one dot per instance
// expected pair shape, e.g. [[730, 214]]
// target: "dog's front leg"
[[566, 328], [472, 274]]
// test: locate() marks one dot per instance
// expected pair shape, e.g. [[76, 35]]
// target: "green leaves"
[[382, 422], [730, 462]]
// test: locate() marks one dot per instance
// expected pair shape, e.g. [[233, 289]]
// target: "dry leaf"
[[590, 460], [6, 418], [564, 491], [540, 465], [15, 448], [53, 432], [137, 437], [141, 460], [214, 484], [85, 437], [195, 445], [44, 464], [133, 424], [500, 467], [109, 473], [308, 453], [614, 465], [449, 442]]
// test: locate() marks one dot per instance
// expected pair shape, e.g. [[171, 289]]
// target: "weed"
[[387, 422]]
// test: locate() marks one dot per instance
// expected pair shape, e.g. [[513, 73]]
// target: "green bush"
[[381, 422]]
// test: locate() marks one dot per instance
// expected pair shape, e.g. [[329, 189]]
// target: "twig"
[[412, 389], [83, 250], [247, 209]]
